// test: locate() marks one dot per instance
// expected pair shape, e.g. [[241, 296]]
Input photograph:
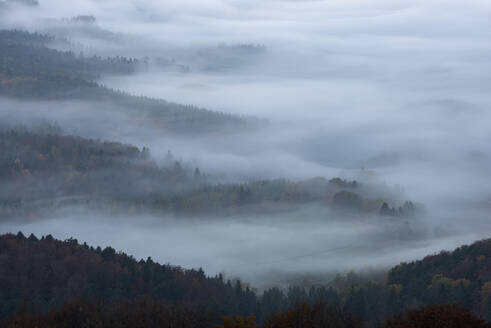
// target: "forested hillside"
[[43, 170], [462, 277], [30, 70], [245, 164], [46, 273], [58, 272]]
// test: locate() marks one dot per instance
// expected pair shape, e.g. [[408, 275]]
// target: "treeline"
[[47, 280], [30, 70], [462, 276], [342, 196], [39, 170], [44, 274], [27, 54], [146, 313], [44, 169], [154, 314]]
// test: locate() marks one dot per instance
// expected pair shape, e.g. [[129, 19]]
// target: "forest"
[[245, 164], [30, 70], [75, 283], [44, 169]]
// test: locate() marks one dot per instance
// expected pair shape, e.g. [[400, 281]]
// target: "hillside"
[[57, 272], [461, 276], [48, 272], [31, 70], [48, 170], [44, 169]]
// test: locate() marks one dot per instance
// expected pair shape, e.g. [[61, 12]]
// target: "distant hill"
[[43, 169], [46, 170], [29, 3], [30, 70]]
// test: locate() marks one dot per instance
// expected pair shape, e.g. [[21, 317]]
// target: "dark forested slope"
[[462, 277], [45, 274]]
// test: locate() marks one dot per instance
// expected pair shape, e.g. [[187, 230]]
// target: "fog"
[[263, 250], [399, 89]]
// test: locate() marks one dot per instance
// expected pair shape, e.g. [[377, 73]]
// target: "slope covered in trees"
[[146, 313], [447, 315], [30, 70], [45, 169], [462, 277], [47, 274]]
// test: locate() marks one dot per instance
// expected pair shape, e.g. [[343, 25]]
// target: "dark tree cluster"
[[45, 273], [145, 313], [27, 55], [317, 315], [462, 277], [436, 316], [408, 209]]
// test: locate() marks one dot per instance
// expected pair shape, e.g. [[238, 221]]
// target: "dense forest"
[[244, 164], [462, 276], [42, 169], [54, 282]]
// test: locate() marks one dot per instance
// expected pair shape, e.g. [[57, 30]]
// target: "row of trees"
[[149, 313], [44, 274], [28, 55], [40, 169]]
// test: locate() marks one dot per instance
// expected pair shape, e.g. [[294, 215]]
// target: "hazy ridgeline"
[[281, 142]]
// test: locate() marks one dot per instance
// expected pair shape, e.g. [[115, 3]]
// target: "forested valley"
[[245, 164]]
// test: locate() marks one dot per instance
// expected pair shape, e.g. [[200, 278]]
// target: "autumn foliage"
[[316, 316], [437, 316]]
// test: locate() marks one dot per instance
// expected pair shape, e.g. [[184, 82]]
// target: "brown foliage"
[[437, 316], [144, 313], [237, 322], [47, 273], [316, 316]]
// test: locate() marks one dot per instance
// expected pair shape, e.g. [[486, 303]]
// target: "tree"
[[32, 237], [197, 175], [385, 210]]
